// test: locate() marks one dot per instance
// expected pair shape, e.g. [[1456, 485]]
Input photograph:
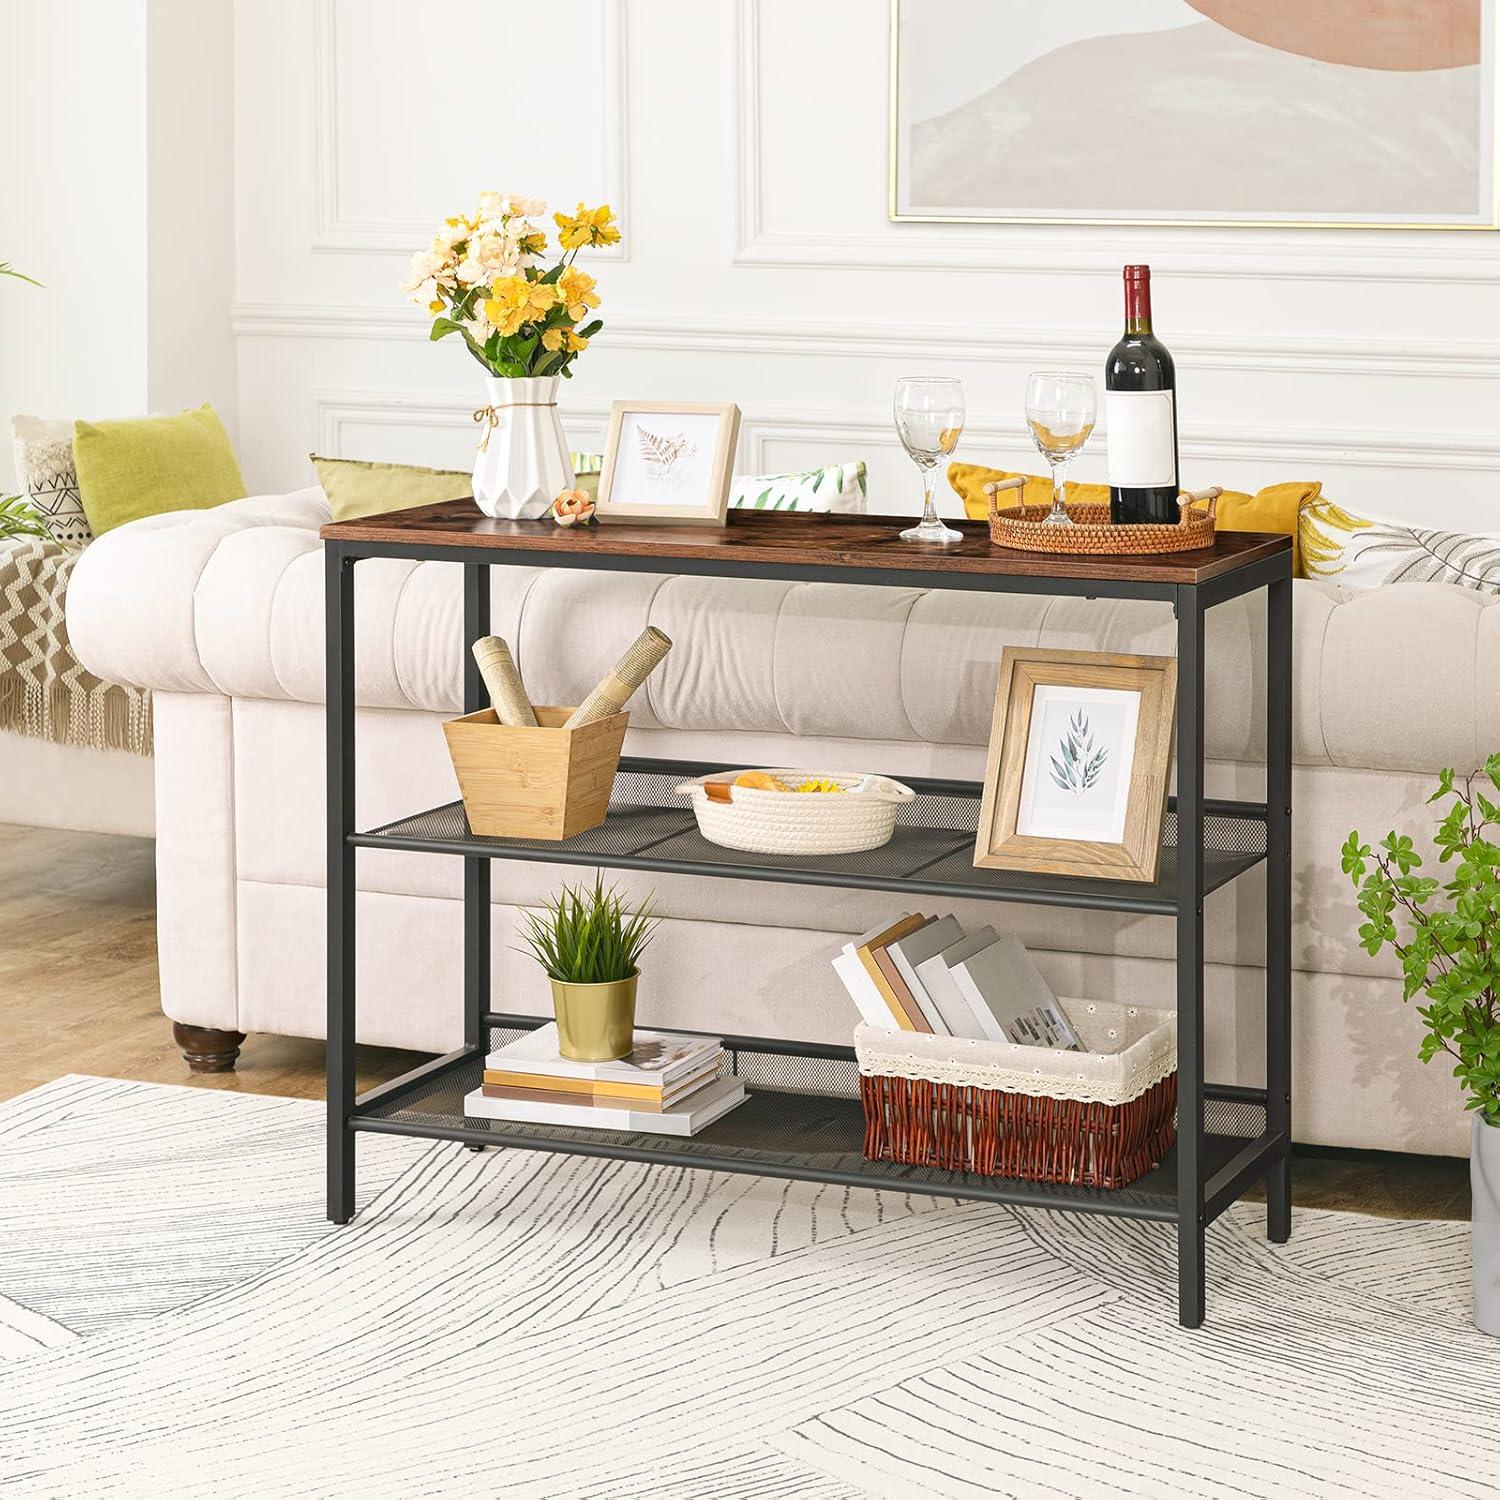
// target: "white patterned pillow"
[[836, 487], [44, 467], [1364, 554]]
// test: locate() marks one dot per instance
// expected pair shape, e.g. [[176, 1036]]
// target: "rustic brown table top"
[[820, 541]]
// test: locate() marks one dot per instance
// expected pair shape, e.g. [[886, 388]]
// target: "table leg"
[[476, 870], [338, 626], [1279, 903], [1190, 1156]]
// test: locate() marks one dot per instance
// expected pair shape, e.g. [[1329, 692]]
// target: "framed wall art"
[[1080, 754], [668, 462], [1176, 112]]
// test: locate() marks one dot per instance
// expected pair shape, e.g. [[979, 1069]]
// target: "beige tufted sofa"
[[220, 613]]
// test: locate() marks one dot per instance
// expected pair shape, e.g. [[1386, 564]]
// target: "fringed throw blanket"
[[44, 690]]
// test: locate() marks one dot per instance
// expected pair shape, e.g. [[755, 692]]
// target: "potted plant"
[[591, 949], [1446, 935], [482, 277]]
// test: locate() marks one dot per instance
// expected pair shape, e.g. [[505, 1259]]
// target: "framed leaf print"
[[1080, 753], [668, 462]]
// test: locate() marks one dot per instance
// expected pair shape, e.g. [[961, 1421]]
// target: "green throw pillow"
[[149, 465], [359, 487]]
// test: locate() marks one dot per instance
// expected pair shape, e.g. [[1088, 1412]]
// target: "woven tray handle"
[[885, 790], [995, 486], [1192, 497]]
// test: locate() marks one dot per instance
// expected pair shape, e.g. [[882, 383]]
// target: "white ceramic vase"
[[522, 460], [1484, 1176]]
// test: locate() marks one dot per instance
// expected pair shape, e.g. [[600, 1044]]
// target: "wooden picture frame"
[[674, 471], [1058, 713]]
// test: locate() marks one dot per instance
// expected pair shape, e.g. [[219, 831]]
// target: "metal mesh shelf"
[[801, 1119], [931, 853]]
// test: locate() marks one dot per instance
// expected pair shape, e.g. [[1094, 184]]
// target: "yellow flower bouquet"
[[483, 277]]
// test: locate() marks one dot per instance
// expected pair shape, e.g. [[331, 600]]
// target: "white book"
[[906, 953], [656, 1060], [700, 1108], [873, 1006], [873, 1010], [936, 977], [1009, 997]]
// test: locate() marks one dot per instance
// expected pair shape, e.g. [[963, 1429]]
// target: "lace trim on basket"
[[1039, 1083]]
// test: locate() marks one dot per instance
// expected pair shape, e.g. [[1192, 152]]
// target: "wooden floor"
[[78, 994], [78, 988]]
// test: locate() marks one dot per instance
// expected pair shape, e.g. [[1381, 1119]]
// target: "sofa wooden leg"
[[207, 1050]]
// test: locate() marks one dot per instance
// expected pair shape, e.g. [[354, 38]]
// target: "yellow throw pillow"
[[969, 481], [1277, 510], [1274, 509], [150, 465]]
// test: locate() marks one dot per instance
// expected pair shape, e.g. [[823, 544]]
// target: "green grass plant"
[[584, 935]]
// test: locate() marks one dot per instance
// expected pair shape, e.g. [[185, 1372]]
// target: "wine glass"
[[1061, 408], [929, 412]]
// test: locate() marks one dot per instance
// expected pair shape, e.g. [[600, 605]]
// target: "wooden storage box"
[[1099, 1119], [543, 783]]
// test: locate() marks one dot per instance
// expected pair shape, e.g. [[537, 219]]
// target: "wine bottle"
[[1140, 408]]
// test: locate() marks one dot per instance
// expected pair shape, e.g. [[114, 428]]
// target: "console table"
[[802, 1117]]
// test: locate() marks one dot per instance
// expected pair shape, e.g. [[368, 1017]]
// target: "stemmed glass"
[[1061, 408], [929, 412]]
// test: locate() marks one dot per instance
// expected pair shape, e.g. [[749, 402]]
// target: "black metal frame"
[[1203, 1188]]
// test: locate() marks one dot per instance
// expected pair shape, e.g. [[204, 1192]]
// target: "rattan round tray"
[[1093, 533]]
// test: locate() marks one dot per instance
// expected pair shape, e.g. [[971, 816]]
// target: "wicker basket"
[[1093, 1119], [863, 816], [1093, 533]]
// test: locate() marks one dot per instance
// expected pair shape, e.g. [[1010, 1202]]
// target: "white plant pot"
[[1484, 1177], [522, 460]]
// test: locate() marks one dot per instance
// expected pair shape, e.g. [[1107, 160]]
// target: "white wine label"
[[1142, 450]]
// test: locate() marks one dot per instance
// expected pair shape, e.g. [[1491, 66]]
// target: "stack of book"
[[669, 1085], [926, 974]]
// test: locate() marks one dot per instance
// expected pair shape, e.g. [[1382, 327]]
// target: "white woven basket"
[[861, 817]]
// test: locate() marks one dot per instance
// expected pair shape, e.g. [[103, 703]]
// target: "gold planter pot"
[[595, 1022]]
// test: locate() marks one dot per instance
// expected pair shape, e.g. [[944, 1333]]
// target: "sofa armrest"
[[132, 601]]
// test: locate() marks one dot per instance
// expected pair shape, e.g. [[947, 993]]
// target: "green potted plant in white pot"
[[1447, 936], [591, 948]]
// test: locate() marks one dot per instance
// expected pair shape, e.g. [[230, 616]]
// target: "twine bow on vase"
[[489, 418]]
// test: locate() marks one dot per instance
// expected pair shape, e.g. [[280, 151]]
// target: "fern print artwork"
[[1077, 763], [661, 452]]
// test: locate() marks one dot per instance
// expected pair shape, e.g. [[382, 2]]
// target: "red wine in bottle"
[[1140, 411]]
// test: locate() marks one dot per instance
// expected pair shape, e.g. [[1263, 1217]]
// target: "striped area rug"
[[177, 1319]]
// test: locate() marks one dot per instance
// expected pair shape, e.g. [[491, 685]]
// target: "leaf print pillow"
[[838, 487], [1364, 554]]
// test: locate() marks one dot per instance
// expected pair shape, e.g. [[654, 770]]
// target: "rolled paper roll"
[[498, 668], [628, 674]]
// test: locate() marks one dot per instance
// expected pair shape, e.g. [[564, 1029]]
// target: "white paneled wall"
[[745, 145], [116, 125]]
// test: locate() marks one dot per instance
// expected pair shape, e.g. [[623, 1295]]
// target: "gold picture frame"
[[1057, 714], [672, 469], [1489, 153]]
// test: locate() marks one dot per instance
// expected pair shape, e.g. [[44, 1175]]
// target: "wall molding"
[[336, 410], [935, 342], [1318, 448], [1405, 256], [1358, 448], [336, 232]]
